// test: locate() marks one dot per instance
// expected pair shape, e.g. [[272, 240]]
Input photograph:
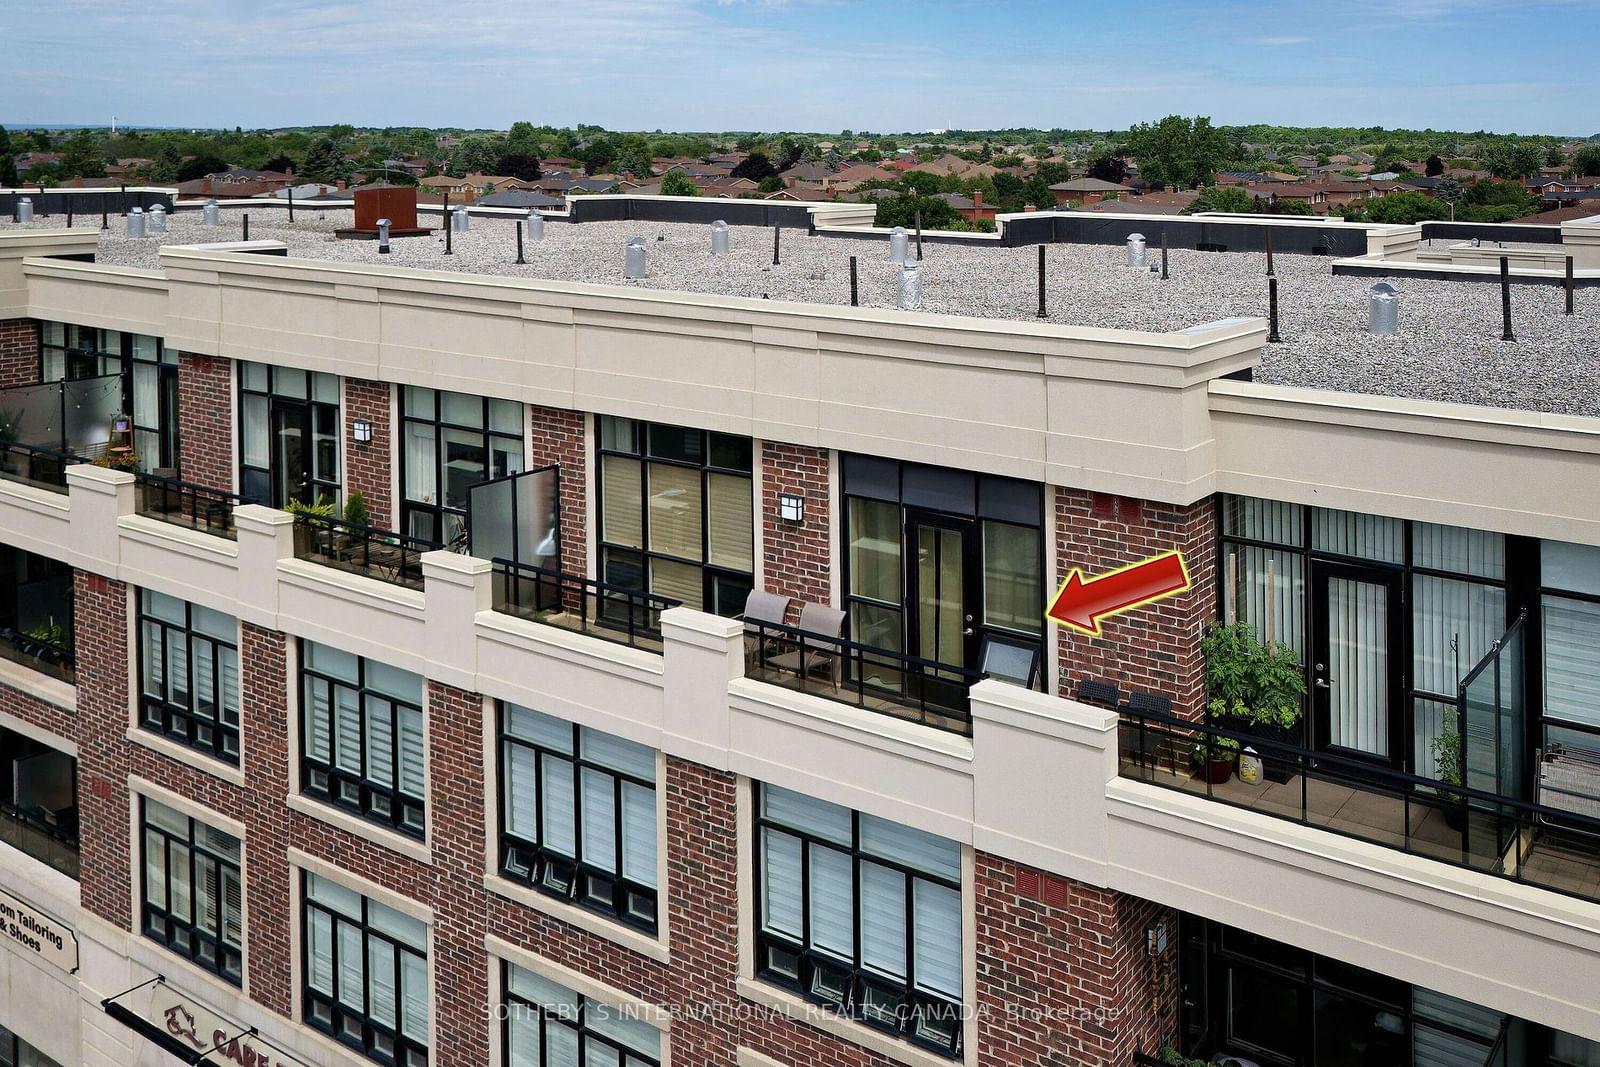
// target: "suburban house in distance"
[[618, 647]]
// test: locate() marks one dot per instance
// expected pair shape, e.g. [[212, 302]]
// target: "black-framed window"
[[1454, 580], [149, 372], [1569, 617], [189, 674], [361, 743], [449, 443], [366, 973], [677, 517], [39, 801], [578, 814], [549, 1025], [15, 1052], [36, 601], [860, 914], [277, 404], [191, 891]]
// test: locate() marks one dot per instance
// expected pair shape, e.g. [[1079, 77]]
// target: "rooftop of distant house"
[[1448, 347]]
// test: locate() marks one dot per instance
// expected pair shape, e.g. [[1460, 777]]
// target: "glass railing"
[[1554, 848], [382, 554], [36, 835], [877, 679], [198, 507], [571, 602], [41, 654], [42, 468]]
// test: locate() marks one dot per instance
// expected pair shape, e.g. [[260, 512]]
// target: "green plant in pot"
[[311, 523], [1447, 763], [1216, 757], [1255, 687]]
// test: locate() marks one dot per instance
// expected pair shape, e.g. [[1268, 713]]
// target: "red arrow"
[[1082, 604]]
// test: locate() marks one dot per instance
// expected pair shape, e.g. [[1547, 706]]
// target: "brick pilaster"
[[1155, 648], [19, 352], [100, 639], [265, 725], [1064, 977], [558, 437], [205, 420], [794, 555], [367, 465]]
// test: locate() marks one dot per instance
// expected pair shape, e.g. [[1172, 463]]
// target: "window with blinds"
[[860, 914], [191, 891], [366, 973], [189, 674], [1570, 616], [578, 814], [549, 1025], [361, 742], [677, 515], [449, 443]]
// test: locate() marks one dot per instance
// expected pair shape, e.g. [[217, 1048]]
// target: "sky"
[[804, 65]]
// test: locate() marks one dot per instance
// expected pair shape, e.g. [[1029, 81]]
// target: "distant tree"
[[1291, 207], [902, 211], [1586, 162], [8, 162], [1010, 192], [1448, 191], [326, 162], [523, 139], [1222, 198], [1434, 166], [1496, 202], [756, 166], [519, 165], [920, 183], [677, 183], [1006, 161], [1509, 158], [280, 163], [474, 155], [771, 184], [1177, 151], [1109, 167], [868, 155], [598, 155], [81, 157], [1405, 209], [200, 166], [1554, 157]]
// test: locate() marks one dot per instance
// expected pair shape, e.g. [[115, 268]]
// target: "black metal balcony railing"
[[41, 654], [1553, 848], [596, 608], [43, 468], [382, 554], [34, 835], [877, 679], [198, 507]]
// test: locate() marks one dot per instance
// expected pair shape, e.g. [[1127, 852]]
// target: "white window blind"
[[414, 993], [639, 834], [411, 751], [883, 919], [608, 750], [1572, 660], [352, 969], [780, 884], [319, 947], [522, 806], [522, 1029], [380, 973], [380, 741], [937, 920], [798, 811], [833, 902], [915, 848], [557, 815], [347, 729], [599, 820]]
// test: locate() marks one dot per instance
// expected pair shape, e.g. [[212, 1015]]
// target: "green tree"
[[280, 163], [522, 165], [598, 154], [1405, 209], [1434, 166], [771, 184], [1177, 151], [478, 154], [756, 166], [1496, 202], [326, 162], [1448, 191], [1553, 157], [1222, 198], [903, 210], [1586, 162], [200, 166], [677, 183], [1509, 158], [8, 162], [81, 157]]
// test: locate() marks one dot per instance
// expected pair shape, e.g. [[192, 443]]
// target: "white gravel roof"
[[1448, 347]]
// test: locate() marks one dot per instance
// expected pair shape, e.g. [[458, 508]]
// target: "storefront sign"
[[36, 933], [193, 1026]]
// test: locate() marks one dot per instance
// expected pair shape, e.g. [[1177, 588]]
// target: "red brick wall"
[[19, 352], [367, 466], [794, 555], [1063, 973], [1155, 648], [205, 420], [265, 726], [558, 437], [100, 619], [32, 710]]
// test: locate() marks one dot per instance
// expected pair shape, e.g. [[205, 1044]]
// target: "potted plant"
[[355, 509], [1447, 762], [1255, 687], [1216, 757], [307, 519]]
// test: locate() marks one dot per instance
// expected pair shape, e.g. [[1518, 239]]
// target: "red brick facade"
[[1065, 971], [100, 639], [366, 465], [19, 352], [205, 420], [794, 555], [1156, 648], [558, 437]]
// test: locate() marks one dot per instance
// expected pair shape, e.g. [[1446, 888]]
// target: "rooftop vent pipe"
[[209, 214], [719, 238], [1383, 309], [635, 263], [458, 220], [899, 245], [1136, 249], [535, 225], [136, 222], [908, 287], [25, 210], [383, 237], [157, 219]]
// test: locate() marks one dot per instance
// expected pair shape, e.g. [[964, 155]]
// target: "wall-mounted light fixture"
[[361, 430], [791, 507]]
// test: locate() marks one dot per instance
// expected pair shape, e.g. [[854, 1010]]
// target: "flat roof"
[[1448, 346]]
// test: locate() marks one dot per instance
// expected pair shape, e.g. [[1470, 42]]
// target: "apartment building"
[[681, 692]]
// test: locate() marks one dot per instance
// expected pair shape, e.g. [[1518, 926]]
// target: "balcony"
[[42, 468], [51, 655], [199, 507], [44, 836], [1553, 845], [384, 555], [584, 605], [875, 679]]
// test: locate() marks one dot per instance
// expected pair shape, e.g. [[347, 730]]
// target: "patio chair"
[[1157, 740], [821, 625], [1100, 693], [1569, 780], [761, 606]]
